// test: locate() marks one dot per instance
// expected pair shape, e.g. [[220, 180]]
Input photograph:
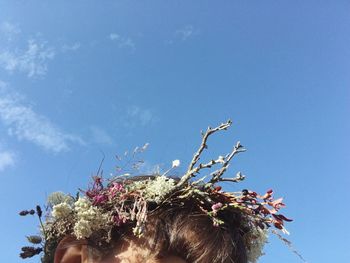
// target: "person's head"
[[157, 219], [172, 234]]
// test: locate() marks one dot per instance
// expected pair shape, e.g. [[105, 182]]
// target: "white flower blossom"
[[176, 163], [61, 210]]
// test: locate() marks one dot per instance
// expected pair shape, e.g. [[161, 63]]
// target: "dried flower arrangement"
[[121, 200]]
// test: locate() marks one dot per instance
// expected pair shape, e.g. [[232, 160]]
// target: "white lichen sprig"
[[89, 218], [157, 189], [56, 198], [61, 210], [255, 242]]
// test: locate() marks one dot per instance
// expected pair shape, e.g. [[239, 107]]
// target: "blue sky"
[[83, 79]]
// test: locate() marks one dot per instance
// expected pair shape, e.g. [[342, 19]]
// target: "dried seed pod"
[[29, 252], [39, 211], [34, 239], [24, 213]]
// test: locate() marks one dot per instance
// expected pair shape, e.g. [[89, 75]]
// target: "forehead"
[[131, 252]]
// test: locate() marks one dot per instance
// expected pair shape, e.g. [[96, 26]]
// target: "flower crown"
[[123, 200]]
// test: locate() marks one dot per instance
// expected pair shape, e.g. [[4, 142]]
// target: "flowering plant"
[[124, 200]]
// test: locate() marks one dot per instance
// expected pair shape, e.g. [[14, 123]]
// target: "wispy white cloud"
[[24, 123], [137, 116], [113, 36], [33, 57], [73, 47], [9, 28], [186, 32], [122, 42], [183, 34], [33, 61], [100, 136], [9, 31], [7, 159]]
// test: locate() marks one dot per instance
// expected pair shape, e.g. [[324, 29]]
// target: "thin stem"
[[192, 170]]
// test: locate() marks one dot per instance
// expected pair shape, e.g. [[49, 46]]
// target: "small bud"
[[29, 252], [137, 230], [218, 188], [39, 211], [176, 163], [145, 146], [24, 213], [216, 207], [34, 239], [77, 196], [221, 159]]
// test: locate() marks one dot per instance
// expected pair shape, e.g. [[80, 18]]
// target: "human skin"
[[126, 252], [132, 252]]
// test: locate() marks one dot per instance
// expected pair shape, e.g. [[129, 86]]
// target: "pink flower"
[[99, 199], [97, 183], [117, 187], [277, 204], [268, 195], [216, 207], [96, 189], [118, 220]]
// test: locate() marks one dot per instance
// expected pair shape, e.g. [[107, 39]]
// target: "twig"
[[137, 150], [191, 171], [39, 214], [203, 145], [239, 177], [216, 175], [289, 244], [99, 168]]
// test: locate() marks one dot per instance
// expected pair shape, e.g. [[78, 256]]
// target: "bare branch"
[[203, 145], [101, 163], [239, 177], [289, 244], [192, 170], [216, 175]]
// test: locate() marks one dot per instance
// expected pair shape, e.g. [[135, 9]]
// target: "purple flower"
[[99, 199]]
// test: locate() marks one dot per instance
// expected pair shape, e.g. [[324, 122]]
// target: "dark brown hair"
[[189, 233], [184, 230]]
